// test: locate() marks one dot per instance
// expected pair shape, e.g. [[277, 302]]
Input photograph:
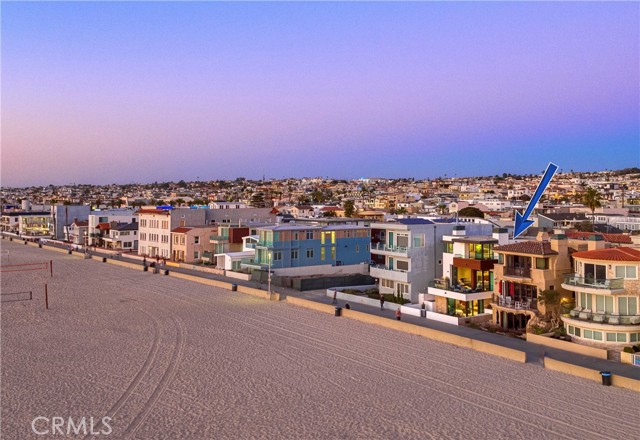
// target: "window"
[[143, 223], [165, 224], [333, 252], [295, 237], [309, 235], [402, 265], [571, 330], [367, 248], [196, 255], [500, 259], [357, 248], [628, 272], [277, 256], [633, 337], [448, 247], [604, 304], [294, 254], [196, 239], [309, 253], [322, 254], [586, 300], [595, 273], [542, 263], [143, 236], [627, 305], [165, 239], [418, 240]]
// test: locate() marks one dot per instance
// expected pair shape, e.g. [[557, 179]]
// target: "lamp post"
[[269, 275]]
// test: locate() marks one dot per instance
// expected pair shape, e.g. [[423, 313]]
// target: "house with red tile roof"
[[523, 270], [607, 291]]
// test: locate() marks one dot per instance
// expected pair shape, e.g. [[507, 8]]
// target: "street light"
[[269, 275]]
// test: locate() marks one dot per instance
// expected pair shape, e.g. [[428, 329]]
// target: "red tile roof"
[[182, 230], [611, 238], [103, 226], [528, 247], [82, 223], [611, 254]]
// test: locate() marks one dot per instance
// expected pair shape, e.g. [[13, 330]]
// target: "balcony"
[[579, 314], [442, 287], [591, 285], [384, 248], [524, 272], [384, 272], [522, 304], [217, 238]]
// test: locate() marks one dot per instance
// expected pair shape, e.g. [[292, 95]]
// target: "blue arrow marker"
[[522, 222]]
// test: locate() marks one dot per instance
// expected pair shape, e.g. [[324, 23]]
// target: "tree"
[[552, 302], [591, 199], [348, 208], [471, 211], [329, 214]]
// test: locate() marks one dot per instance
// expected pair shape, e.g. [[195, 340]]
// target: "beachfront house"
[[406, 254], [607, 292], [522, 271]]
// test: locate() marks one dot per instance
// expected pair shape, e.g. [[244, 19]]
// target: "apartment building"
[[406, 254], [123, 236], [607, 292], [298, 246], [156, 224], [523, 269]]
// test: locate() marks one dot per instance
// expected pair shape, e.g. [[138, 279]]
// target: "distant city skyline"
[[103, 92]]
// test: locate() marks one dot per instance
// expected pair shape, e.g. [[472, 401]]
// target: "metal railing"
[[518, 271], [608, 284], [517, 304]]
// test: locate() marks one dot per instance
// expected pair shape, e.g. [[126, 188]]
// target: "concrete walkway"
[[535, 353]]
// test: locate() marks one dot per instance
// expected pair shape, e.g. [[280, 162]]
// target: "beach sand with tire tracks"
[[167, 358]]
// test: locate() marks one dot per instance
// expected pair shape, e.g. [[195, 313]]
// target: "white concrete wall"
[[325, 269]]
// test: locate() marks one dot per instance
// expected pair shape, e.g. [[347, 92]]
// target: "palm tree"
[[591, 199]]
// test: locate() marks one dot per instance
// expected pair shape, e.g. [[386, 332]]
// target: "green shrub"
[[628, 349], [537, 330]]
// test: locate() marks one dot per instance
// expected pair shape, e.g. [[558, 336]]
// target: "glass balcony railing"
[[385, 247], [383, 267], [594, 283], [602, 317], [445, 284], [218, 237]]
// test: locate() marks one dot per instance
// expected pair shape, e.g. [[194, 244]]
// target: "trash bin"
[[606, 378], [338, 311], [234, 287], [166, 271], [69, 251], [104, 259], [39, 245], [145, 268], [423, 313]]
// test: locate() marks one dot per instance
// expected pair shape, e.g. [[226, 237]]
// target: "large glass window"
[[448, 247], [627, 305], [595, 273], [628, 272]]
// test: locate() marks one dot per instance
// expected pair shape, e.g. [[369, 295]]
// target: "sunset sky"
[[102, 92]]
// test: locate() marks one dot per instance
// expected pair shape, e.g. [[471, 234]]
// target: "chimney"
[[560, 244], [595, 242], [542, 236], [502, 235]]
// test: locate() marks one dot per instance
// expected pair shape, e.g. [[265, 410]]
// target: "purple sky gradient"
[[138, 92]]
